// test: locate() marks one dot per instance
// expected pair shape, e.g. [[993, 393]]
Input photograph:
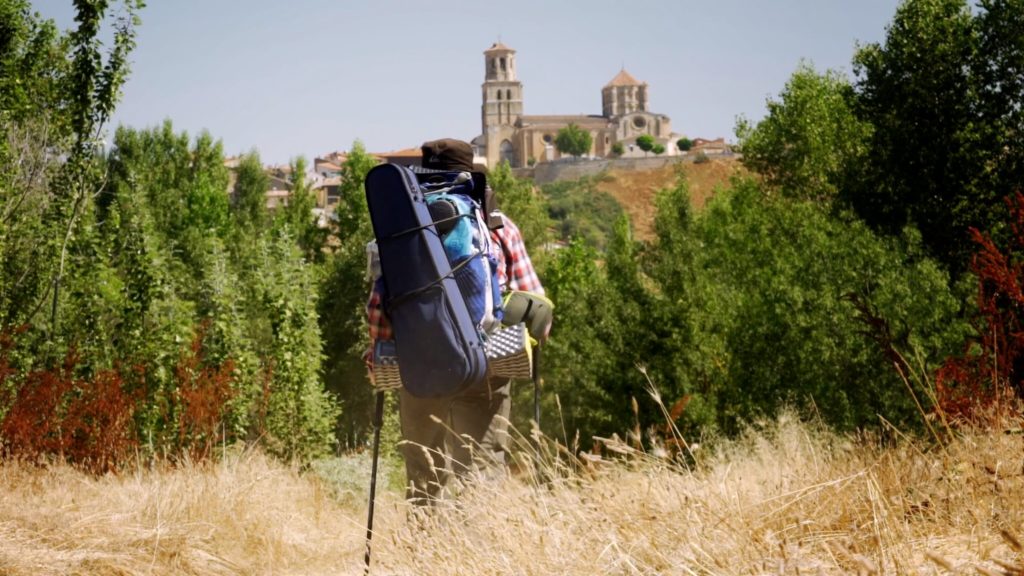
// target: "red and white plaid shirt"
[[515, 272]]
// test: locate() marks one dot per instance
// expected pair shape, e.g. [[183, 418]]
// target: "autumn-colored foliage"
[[89, 420], [991, 370], [53, 412], [203, 394]]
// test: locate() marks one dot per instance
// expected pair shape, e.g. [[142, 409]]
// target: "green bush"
[[579, 210], [768, 297], [742, 310]]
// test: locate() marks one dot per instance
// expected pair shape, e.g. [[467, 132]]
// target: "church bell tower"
[[502, 103]]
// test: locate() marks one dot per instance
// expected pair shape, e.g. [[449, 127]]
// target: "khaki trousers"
[[469, 436]]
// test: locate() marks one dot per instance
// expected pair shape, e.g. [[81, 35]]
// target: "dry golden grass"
[[789, 499]]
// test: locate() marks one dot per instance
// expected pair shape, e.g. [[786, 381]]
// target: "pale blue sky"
[[311, 76]]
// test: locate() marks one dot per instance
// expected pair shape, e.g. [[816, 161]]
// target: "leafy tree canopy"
[[645, 142], [573, 140], [943, 94], [809, 138]]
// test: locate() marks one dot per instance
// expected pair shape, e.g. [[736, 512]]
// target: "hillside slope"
[[635, 189]]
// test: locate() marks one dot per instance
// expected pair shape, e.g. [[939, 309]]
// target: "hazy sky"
[[306, 77]]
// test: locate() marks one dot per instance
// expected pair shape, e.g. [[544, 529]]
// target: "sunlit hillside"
[[788, 499], [635, 189]]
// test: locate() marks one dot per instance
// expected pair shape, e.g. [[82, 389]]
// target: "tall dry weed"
[[785, 498]]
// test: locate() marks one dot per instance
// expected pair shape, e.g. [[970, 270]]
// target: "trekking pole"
[[378, 422], [536, 386]]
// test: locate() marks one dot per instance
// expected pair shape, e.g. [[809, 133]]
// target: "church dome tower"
[[623, 95]]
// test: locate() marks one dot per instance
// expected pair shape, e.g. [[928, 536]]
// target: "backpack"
[[438, 278]]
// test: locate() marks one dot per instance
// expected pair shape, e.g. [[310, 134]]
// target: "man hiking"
[[454, 435]]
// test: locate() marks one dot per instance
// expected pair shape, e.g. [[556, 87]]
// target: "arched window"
[[499, 94], [506, 152], [508, 94]]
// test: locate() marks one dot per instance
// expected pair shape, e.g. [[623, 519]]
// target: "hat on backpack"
[[447, 154]]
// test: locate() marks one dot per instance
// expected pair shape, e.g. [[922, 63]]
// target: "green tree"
[[611, 329], [684, 144], [658, 149], [352, 213], [300, 415], [343, 292], [298, 214], [249, 195], [618, 149], [926, 153], [573, 140], [134, 257], [524, 205], [56, 93], [183, 185], [768, 296], [809, 139], [578, 359], [185, 276], [645, 142], [580, 209], [1000, 72]]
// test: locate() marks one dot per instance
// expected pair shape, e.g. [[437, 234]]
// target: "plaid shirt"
[[515, 272]]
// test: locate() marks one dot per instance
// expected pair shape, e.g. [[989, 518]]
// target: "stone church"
[[508, 134]]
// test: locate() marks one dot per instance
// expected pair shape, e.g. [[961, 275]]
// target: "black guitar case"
[[440, 352]]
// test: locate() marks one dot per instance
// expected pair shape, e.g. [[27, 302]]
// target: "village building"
[[510, 135]]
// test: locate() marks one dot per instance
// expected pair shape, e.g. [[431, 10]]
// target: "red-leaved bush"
[[203, 394], [90, 421], [51, 412], [990, 371]]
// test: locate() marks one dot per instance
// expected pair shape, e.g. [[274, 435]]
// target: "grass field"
[[786, 499]]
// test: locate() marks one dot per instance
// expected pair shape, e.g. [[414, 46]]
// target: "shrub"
[[203, 396], [580, 210], [54, 413], [759, 292], [991, 367]]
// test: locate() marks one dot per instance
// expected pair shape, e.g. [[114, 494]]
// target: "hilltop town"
[[526, 142]]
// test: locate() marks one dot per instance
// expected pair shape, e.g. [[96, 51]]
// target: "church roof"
[[538, 121], [623, 78], [498, 47]]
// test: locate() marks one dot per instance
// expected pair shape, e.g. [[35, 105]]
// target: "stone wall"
[[568, 169]]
